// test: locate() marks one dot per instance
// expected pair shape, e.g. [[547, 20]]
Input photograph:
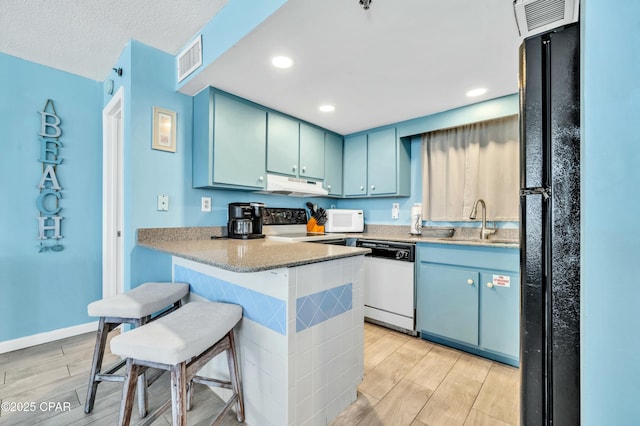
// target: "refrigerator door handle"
[[545, 192]]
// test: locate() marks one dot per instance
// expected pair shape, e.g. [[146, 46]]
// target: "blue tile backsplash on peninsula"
[[258, 307], [267, 310]]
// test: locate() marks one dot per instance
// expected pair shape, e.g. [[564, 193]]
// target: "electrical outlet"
[[163, 203], [395, 210], [206, 204]]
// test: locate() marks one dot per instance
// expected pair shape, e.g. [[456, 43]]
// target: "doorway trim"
[[112, 195]]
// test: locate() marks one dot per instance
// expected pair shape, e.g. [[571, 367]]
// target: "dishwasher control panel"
[[403, 252]]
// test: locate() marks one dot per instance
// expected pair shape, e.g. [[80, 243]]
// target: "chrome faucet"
[[484, 232]]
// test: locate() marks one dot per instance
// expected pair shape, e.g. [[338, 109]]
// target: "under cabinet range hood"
[[538, 16], [294, 187]]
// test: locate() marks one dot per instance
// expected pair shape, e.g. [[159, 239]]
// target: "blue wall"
[[45, 291], [610, 211], [148, 80]]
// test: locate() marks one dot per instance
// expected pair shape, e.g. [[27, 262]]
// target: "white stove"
[[290, 224]]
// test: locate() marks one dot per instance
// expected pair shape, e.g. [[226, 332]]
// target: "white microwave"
[[343, 220]]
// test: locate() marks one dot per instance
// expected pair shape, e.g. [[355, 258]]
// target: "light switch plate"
[[395, 210], [206, 204], [163, 203]]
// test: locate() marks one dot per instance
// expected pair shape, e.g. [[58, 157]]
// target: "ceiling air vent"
[[189, 59], [537, 16]]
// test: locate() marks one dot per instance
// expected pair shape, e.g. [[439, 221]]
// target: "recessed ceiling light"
[[476, 92], [282, 62], [327, 108]]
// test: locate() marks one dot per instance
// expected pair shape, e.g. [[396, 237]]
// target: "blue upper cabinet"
[[311, 152], [294, 148], [355, 166], [236, 142], [229, 146], [377, 164], [283, 136], [333, 164], [382, 163]]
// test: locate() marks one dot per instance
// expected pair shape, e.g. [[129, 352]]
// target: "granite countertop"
[[250, 255], [209, 245]]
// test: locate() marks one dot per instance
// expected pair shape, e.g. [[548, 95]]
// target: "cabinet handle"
[[373, 187], [490, 285], [304, 169], [470, 281], [329, 187], [261, 178], [361, 188], [295, 168]]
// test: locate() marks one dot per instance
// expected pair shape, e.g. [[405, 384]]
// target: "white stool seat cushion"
[[143, 300], [179, 336]]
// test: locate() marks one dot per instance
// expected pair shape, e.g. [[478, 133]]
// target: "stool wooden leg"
[[142, 380], [179, 394], [96, 364], [232, 360], [189, 395], [142, 395], [128, 393]]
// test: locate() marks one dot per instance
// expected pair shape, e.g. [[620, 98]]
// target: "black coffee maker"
[[245, 220]]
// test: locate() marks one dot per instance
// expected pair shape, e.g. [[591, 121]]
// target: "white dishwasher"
[[389, 288]]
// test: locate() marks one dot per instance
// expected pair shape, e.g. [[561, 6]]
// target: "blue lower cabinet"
[[468, 297], [449, 302], [500, 312]]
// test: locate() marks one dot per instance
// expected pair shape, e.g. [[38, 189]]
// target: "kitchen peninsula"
[[300, 343]]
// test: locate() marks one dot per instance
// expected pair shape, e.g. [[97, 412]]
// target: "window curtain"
[[462, 164]]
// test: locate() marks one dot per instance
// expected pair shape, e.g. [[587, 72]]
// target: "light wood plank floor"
[[58, 372], [408, 381]]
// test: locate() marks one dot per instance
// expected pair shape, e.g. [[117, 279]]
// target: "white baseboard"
[[49, 336], [62, 333]]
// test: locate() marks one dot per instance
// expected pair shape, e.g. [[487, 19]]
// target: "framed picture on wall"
[[164, 129]]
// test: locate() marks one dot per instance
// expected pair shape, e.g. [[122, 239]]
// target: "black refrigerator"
[[550, 228]]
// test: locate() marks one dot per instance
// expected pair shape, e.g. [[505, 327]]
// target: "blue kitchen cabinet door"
[[500, 312], [333, 164], [355, 166], [240, 132], [283, 138], [382, 163], [377, 164], [447, 302], [229, 142], [311, 152]]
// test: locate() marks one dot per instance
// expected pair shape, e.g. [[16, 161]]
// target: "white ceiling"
[[399, 60]]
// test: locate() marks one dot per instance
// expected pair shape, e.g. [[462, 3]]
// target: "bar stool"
[[133, 307], [182, 343]]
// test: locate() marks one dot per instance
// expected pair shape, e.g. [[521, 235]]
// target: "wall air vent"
[[189, 59], [537, 16]]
